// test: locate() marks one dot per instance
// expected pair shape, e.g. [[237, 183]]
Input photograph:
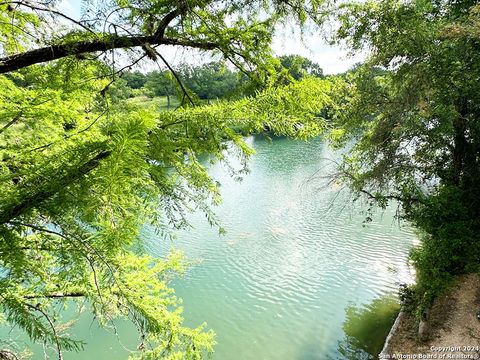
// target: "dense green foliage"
[[82, 171], [134, 79], [298, 67], [210, 81], [160, 83], [416, 125], [80, 179], [213, 80]]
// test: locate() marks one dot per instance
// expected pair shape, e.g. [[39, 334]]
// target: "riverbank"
[[453, 330]]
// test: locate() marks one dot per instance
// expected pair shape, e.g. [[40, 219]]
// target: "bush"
[[449, 228]]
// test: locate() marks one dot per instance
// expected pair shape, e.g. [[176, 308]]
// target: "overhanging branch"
[[55, 295], [388, 197], [51, 11], [10, 212], [54, 52]]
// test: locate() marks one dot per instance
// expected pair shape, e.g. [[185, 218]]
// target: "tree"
[[299, 66], [82, 173], [161, 83], [124, 25], [367, 327], [134, 79], [416, 125], [210, 81]]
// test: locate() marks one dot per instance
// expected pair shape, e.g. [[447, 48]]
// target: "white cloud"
[[332, 58], [70, 8]]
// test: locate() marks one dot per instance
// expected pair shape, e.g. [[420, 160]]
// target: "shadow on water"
[[366, 328]]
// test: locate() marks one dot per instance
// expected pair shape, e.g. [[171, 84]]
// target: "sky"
[[332, 59], [287, 40]]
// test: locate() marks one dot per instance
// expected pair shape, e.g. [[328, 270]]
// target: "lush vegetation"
[[83, 169], [210, 81], [414, 116]]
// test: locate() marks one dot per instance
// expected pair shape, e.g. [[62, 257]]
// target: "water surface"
[[296, 255]]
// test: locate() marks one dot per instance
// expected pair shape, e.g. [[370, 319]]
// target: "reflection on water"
[[295, 258], [367, 327]]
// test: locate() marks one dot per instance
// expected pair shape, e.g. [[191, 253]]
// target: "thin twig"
[[55, 336], [174, 73]]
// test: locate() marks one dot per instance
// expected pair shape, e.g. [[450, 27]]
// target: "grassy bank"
[[160, 103]]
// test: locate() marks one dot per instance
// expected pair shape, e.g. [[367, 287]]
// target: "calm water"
[[295, 256]]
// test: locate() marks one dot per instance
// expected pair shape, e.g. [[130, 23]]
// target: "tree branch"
[[52, 11], [54, 52], [52, 326], [388, 197], [11, 122], [38, 228], [55, 295], [14, 210], [174, 73], [8, 355], [160, 32]]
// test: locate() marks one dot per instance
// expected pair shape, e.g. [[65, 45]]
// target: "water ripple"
[[294, 257]]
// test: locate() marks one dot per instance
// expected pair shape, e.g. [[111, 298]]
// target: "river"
[[295, 256]]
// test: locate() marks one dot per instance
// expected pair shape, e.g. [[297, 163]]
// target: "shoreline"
[[453, 330], [391, 334]]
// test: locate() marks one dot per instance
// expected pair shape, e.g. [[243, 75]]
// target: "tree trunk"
[[459, 147]]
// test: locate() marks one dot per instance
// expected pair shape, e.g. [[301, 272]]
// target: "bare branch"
[[38, 228], [159, 34], [55, 295]]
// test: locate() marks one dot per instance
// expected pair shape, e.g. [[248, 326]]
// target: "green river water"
[[296, 255]]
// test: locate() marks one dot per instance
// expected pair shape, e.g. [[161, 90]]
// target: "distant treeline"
[[213, 80]]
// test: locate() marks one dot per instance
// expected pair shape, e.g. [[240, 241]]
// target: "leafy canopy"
[[412, 111], [82, 172]]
